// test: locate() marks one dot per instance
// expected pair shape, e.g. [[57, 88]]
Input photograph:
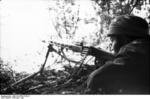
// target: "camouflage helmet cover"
[[129, 25]]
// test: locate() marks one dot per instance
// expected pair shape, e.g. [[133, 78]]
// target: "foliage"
[[53, 82], [68, 24], [6, 74]]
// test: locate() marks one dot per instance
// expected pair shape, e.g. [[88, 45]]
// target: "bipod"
[[50, 49]]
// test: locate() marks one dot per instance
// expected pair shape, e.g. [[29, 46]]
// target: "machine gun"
[[98, 53], [75, 48]]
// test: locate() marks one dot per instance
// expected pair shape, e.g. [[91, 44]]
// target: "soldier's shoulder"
[[135, 47], [131, 52]]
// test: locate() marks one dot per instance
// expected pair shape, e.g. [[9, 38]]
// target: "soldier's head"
[[125, 29]]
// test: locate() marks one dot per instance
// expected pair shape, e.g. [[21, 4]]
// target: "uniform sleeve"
[[116, 73]]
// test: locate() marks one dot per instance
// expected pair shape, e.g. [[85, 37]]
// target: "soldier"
[[128, 72]]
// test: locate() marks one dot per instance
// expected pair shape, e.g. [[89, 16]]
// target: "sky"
[[23, 25]]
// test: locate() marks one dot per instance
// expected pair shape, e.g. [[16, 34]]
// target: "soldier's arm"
[[122, 70], [101, 54]]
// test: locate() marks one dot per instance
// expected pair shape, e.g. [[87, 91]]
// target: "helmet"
[[130, 26]]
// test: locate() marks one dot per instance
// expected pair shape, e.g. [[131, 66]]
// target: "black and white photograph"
[[74, 47]]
